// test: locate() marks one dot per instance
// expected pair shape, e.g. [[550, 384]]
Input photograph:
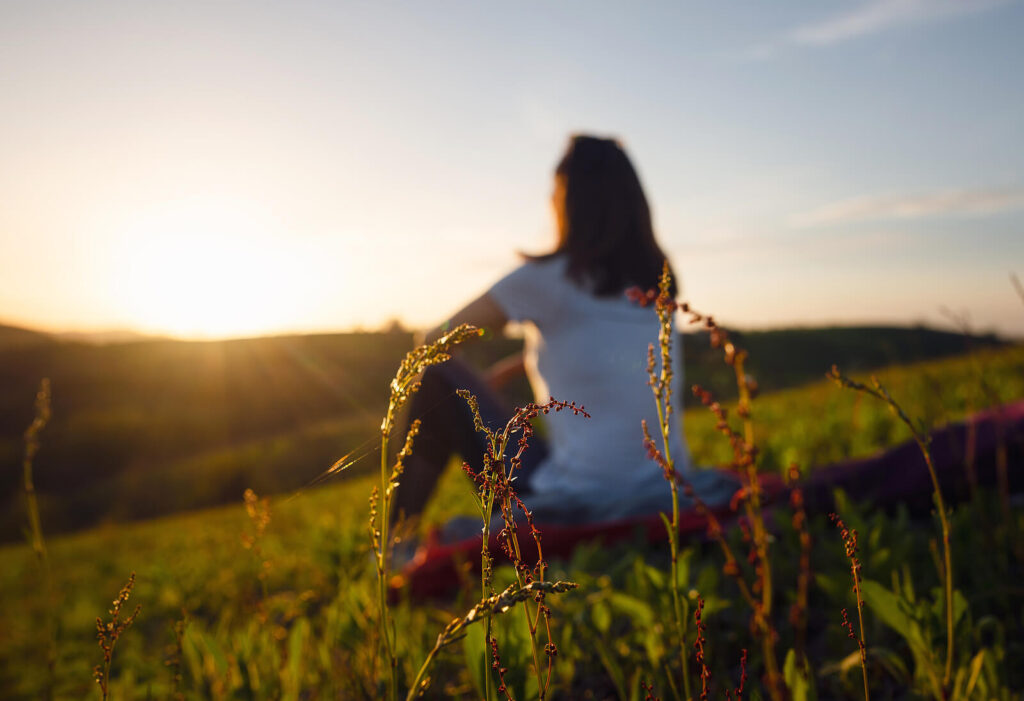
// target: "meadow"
[[152, 427], [277, 598]]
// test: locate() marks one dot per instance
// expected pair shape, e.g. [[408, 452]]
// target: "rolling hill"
[[149, 427]]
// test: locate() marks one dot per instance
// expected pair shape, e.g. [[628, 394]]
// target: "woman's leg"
[[960, 455], [446, 429]]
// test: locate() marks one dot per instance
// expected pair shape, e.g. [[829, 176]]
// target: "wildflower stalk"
[[108, 633], [660, 376], [487, 567], [42, 417], [175, 660], [403, 386], [488, 607], [258, 511], [850, 544], [798, 612], [921, 437], [744, 453], [752, 505], [495, 487], [705, 673]]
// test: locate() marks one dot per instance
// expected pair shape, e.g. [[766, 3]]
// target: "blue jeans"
[[446, 429]]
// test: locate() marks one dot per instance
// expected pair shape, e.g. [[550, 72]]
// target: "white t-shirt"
[[591, 350]]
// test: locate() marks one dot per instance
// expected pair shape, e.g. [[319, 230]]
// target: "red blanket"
[[895, 476], [435, 569]]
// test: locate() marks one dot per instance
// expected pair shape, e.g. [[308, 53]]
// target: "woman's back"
[[591, 350]]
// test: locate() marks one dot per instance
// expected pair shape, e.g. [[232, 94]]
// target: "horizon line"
[[118, 335]]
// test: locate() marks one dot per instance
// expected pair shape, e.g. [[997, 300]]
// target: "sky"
[[215, 169]]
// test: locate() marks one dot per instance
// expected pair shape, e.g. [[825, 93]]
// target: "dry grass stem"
[[36, 540], [404, 385], [109, 632], [483, 611], [922, 438]]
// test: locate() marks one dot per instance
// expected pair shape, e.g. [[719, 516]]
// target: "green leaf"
[[654, 646], [474, 648], [939, 604], [216, 653], [892, 610], [601, 615], [976, 666], [611, 666], [656, 576], [296, 641], [640, 611], [672, 533], [798, 678], [892, 662]]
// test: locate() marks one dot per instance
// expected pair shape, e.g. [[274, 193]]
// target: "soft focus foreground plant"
[[659, 377], [744, 460], [849, 537], [483, 611], [35, 533], [109, 632], [403, 386], [495, 488], [797, 673], [258, 511], [922, 438]]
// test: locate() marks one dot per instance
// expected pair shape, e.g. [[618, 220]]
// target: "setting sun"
[[207, 269]]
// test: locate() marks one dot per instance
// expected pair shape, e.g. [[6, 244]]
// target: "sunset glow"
[[208, 170], [205, 269]]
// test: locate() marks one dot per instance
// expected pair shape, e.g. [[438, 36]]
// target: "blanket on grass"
[[986, 449]]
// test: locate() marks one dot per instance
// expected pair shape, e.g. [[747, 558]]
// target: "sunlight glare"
[[206, 269]]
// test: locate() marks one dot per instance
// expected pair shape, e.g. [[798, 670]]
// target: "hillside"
[[16, 337], [319, 580], [152, 427], [784, 358]]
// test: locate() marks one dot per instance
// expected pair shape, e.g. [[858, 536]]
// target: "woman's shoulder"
[[532, 272], [527, 291], [553, 264]]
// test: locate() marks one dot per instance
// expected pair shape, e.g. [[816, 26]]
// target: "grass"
[[305, 625], [143, 429]]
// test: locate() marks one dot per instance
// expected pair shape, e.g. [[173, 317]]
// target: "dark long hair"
[[604, 223]]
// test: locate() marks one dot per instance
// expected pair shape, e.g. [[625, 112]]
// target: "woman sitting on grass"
[[584, 342]]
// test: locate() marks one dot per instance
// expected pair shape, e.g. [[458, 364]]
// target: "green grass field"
[[308, 629], [147, 428]]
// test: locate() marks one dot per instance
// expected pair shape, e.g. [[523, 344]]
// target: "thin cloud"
[[950, 202], [871, 18], [881, 15], [799, 246]]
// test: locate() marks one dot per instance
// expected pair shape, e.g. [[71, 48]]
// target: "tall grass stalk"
[[850, 544], [660, 376], [495, 488], [404, 385], [747, 458], [109, 632], [483, 611], [744, 457], [35, 533], [798, 612], [258, 511], [922, 438]]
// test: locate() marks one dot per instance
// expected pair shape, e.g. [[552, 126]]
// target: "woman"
[[584, 342]]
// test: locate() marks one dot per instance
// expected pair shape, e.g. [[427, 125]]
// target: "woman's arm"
[[483, 312], [504, 371]]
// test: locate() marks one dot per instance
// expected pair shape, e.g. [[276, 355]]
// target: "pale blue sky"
[[233, 168]]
